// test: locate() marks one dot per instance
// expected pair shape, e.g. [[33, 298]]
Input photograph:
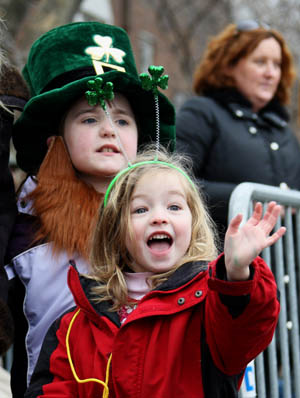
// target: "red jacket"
[[191, 337]]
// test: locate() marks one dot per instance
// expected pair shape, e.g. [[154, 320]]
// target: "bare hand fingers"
[[257, 214], [234, 224], [271, 216], [276, 236]]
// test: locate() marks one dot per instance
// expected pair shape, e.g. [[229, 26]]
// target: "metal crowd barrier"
[[275, 373]]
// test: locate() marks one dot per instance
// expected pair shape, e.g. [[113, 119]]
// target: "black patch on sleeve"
[[235, 304], [215, 383], [42, 374], [18, 374]]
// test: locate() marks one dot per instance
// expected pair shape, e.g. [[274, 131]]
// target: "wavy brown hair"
[[109, 255], [227, 48]]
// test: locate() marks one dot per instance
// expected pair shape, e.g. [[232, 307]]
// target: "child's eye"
[[140, 210], [122, 122], [174, 207], [89, 120]]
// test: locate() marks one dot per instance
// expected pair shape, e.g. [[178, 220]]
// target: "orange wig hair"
[[66, 207], [226, 49]]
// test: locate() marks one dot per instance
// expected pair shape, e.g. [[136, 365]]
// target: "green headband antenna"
[[133, 166], [151, 83], [100, 93]]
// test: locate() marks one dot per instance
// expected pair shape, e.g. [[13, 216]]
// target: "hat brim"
[[43, 113]]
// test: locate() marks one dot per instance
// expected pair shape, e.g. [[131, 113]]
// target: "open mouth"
[[160, 242], [108, 149]]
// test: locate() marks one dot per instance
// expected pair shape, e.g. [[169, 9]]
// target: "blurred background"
[[172, 33]]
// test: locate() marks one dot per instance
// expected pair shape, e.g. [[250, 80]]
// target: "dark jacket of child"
[[191, 337]]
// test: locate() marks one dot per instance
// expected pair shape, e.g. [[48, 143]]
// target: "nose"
[[271, 69], [159, 217], [106, 129]]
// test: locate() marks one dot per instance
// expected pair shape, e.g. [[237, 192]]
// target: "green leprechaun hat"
[[59, 65]]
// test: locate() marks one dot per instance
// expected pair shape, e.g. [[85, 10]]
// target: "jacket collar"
[[183, 275], [81, 286], [233, 100]]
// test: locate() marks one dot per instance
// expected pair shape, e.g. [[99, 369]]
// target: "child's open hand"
[[244, 244]]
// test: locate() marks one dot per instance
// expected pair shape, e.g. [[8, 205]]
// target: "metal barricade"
[[275, 373]]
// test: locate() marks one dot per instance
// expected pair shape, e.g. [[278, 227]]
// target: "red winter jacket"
[[192, 337]]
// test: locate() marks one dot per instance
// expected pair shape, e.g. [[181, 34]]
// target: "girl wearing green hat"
[[59, 201]]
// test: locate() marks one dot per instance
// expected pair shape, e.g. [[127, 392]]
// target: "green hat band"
[[139, 164]]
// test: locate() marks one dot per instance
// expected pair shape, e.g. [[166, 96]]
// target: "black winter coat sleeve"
[[8, 213], [196, 133]]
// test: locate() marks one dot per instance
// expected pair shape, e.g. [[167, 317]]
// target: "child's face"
[[161, 222], [92, 144]]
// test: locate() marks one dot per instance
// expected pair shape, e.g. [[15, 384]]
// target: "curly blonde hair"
[[227, 48], [109, 255]]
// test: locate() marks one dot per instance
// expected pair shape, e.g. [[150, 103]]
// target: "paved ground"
[[4, 384]]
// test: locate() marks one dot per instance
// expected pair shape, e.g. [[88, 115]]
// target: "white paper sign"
[[248, 387]]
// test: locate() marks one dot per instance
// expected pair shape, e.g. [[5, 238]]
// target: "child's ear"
[[50, 139]]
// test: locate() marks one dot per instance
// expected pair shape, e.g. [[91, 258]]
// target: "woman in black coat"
[[236, 128]]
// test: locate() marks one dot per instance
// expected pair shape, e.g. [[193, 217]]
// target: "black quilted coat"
[[230, 144]]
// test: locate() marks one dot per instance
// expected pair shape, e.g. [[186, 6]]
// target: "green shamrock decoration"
[[98, 94], [155, 79]]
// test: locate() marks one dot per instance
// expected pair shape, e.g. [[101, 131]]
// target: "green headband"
[[133, 166]]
